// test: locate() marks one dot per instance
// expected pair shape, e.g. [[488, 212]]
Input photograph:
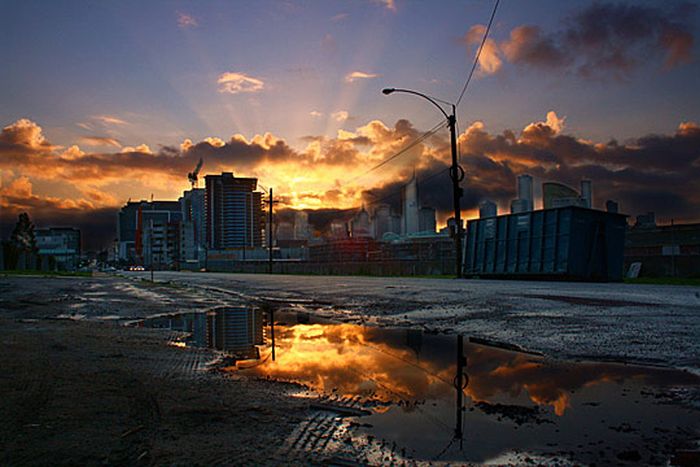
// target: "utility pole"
[[457, 175], [456, 171], [269, 233]]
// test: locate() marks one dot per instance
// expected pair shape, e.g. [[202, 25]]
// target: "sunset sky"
[[105, 101]]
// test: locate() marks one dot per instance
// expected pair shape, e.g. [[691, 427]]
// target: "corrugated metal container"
[[567, 243]]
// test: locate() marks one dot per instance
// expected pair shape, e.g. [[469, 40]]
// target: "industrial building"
[[233, 212]]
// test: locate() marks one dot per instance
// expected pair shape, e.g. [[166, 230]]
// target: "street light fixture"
[[456, 171]]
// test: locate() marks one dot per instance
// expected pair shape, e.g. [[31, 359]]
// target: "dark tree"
[[23, 237]]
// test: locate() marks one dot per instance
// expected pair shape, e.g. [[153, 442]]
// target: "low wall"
[[388, 268]]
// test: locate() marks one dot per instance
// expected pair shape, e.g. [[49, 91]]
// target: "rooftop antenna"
[[192, 176]]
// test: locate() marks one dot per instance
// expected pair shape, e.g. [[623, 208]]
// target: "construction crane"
[[192, 176]]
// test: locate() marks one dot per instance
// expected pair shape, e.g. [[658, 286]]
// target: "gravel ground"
[[620, 322], [79, 388], [89, 392]]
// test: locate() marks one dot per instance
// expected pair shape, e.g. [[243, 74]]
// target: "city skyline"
[[289, 93]]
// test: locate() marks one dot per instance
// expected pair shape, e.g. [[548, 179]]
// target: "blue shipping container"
[[566, 243]]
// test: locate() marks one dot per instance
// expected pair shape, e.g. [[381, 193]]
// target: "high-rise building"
[[233, 212], [133, 216], [360, 224], [559, 195], [525, 191], [487, 208], [193, 227], [524, 202], [301, 225], [161, 243], [409, 203], [381, 221], [587, 193], [427, 220]]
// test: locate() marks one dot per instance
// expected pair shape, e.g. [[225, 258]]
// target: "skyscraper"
[[409, 203], [193, 227], [233, 212], [426, 220]]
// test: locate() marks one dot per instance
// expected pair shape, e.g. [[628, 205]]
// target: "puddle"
[[514, 403], [395, 387], [237, 331]]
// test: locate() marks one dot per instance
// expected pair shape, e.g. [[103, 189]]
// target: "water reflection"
[[408, 378], [586, 410], [235, 330], [394, 365]]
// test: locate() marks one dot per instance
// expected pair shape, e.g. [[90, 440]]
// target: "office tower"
[[360, 224], [381, 221], [409, 203], [487, 208], [525, 192], [586, 193], [233, 212], [301, 225], [426, 220], [193, 227]]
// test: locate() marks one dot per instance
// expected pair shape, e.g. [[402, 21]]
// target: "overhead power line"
[[402, 151], [478, 53]]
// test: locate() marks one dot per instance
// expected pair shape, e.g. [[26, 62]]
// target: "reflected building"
[[235, 329]]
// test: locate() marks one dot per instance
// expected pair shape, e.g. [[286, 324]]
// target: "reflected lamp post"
[[456, 171]]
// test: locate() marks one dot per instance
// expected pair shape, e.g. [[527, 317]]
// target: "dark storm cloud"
[[656, 172], [607, 38]]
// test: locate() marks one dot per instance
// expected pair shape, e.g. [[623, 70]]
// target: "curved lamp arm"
[[387, 91]]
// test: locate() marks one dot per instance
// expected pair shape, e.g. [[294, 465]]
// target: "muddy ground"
[[80, 388], [83, 392]]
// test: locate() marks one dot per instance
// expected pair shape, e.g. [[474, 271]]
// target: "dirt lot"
[[81, 392], [80, 388]]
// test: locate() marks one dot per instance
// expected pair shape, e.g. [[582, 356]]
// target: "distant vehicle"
[[136, 268]]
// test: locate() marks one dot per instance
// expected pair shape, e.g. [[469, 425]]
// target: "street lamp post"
[[456, 171]]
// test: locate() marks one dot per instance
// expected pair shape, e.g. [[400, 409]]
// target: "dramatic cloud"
[[24, 134], [186, 21], [235, 83], [654, 172], [100, 141], [355, 75], [489, 59], [604, 39]]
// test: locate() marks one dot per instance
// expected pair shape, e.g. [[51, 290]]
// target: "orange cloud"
[[356, 75], [100, 141], [235, 83]]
